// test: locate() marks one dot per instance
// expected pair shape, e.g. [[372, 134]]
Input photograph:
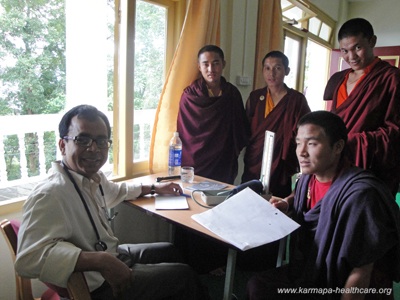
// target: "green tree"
[[149, 54], [150, 38], [32, 53], [32, 69]]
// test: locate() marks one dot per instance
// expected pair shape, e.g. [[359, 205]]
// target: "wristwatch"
[[152, 189]]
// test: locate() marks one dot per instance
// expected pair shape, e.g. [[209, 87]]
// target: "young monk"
[[348, 242], [211, 120], [367, 98], [276, 108]]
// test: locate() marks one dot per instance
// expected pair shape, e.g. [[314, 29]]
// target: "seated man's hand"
[[169, 188], [114, 271], [280, 203], [117, 274]]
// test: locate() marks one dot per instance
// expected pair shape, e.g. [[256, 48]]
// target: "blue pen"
[[186, 195]]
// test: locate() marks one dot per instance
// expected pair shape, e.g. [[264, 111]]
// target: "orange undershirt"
[[342, 92], [269, 105]]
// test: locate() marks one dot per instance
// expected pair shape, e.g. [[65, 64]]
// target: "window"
[[308, 36], [55, 56], [316, 74], [303, 15], [33, 79], [146, 35], [292, 50], [296, 12], [149, 72]]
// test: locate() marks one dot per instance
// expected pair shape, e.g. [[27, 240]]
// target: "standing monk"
[[276, 108], [212, 121], [367, 98]]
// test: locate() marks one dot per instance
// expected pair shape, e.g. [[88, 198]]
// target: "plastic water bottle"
[[175, 155]]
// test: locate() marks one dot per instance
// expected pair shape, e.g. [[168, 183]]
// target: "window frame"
[[304, 35], [123, 120]]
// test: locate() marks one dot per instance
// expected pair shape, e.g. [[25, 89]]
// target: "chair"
[[77, 288]]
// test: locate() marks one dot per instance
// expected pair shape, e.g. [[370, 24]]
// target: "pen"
[[186, 195], [159, 179]]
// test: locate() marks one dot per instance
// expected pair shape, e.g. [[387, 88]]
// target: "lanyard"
[[99, 245]]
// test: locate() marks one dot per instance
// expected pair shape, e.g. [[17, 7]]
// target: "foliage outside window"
[[32, 73], [149, 69], [33, 76]]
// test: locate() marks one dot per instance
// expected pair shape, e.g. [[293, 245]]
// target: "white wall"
[[331, 8], [384, 17], [238, 36]]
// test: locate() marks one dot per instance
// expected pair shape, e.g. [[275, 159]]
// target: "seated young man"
[[349, 235], [65, 226]]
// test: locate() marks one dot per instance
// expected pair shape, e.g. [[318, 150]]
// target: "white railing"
[[39, 124]]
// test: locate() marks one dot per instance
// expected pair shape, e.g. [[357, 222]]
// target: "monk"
[[349, 237], [212, 121], [276, 108], [367, 98], [213, 128]]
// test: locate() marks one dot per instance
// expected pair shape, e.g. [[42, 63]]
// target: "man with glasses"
[[65, 226]]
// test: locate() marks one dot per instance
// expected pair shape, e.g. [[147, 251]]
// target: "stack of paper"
[[246, 220]]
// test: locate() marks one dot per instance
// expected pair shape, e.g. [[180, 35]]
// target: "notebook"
[[171, 202]]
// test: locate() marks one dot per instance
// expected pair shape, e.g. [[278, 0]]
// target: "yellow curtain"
[[201, 27], [269, 35]]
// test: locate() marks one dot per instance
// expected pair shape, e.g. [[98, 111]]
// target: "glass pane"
[[285, 3], [314, 26], [292, 48], [291, 13], [150, 47], [40, 79], [325, 32], [33, 80], [317, 58]]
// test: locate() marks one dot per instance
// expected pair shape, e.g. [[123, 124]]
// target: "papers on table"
[[246, 220], [171, 202], [206, 186]]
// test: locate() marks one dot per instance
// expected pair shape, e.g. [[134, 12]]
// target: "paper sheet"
[[171, 202], [246, 220]]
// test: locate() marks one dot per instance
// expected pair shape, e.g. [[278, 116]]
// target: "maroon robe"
[[372, 116], [213, 130], [357, 222], [282, 120]]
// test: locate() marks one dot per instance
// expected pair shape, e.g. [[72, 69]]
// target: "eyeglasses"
[[84, 141]]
